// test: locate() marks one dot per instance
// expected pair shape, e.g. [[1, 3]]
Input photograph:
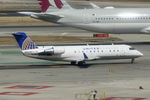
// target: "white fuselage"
[[83, 52], [115, 20]]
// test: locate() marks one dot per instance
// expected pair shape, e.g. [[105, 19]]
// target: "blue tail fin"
[[24, 42]]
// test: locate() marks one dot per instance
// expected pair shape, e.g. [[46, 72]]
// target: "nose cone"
[[139, 54]]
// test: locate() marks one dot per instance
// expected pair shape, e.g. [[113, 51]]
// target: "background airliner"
[[75, 53], [104, 20]]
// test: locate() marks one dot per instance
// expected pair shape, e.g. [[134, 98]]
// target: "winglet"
[[26, 13]]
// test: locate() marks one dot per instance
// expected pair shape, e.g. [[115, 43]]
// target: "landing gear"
[[73, 62], [132, 60], [81, 64]]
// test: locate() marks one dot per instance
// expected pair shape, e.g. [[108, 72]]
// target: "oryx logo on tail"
[[58, 3], [53, 5], [44, 5]]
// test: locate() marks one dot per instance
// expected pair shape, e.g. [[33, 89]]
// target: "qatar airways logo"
[[58, 3], [44, 5]]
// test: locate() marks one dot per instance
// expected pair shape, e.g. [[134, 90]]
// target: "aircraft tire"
[[73, 62], [132, 60], [81, 63]]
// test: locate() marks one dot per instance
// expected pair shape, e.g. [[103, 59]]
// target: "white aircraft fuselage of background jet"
[[104, 20]]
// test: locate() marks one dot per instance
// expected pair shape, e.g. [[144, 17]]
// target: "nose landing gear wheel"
[[132, 60], [73, 62]]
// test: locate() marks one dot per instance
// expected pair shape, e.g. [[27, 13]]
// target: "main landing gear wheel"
[[81, 64], [73, 62]]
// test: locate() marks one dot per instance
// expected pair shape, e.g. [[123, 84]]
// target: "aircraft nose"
[[139, 54]]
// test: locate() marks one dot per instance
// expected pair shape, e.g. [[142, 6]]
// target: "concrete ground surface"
[[62, 81], [23, 78], [58, 30]]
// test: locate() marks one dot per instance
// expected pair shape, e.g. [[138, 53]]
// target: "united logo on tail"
[[25, 43], [28, 44]]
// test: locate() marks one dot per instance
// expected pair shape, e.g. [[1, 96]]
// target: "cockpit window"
[[131, 48]]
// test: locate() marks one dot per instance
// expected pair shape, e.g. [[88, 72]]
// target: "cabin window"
[[131, 48]]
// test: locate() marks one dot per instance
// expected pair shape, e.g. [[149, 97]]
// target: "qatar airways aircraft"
[[104, 20], [75, 53]]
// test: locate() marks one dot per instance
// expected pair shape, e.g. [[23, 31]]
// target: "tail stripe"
[[58, 3], [28, 44], [44, 5], [32, 45], [25, 45]]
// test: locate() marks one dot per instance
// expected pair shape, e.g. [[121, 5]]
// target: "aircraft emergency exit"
[[75, 53]]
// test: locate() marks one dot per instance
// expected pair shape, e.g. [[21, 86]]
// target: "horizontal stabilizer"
[[26, 13], [94, 6], [48, 17], [109, 7]]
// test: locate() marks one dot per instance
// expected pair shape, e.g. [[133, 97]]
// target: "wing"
[[94, 6], [47, 17]]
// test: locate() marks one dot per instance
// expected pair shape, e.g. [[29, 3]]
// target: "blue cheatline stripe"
[[85, 56]]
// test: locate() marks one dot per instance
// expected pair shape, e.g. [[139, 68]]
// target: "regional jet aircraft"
[[104, 20], [75, 53]]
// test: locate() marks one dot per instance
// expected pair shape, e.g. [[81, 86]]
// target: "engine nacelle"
[[52, 51], [58, 50], [34, 16]]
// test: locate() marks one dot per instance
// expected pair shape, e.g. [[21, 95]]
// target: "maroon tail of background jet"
[[44, 5], [58, 3]]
